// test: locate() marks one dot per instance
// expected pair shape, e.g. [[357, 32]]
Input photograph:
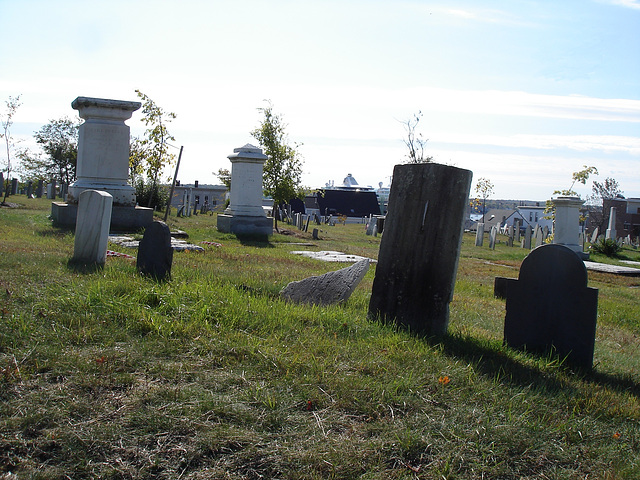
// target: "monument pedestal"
[[567, 221], [103, 163], [244, 225], [245, 215], [122, 218]]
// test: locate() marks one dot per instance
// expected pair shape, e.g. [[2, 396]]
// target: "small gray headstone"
[[539, 237], [371, 225], [155, 254], [594, 235], [550, 307], [492, 237], [315, 234], [480, 235], [327, 289], [40, 188], [1, 183], [526, 243]]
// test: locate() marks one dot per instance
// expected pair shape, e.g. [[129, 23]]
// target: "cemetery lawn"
[[106, 374]]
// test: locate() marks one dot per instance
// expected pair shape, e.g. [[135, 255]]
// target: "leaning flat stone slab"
[[614, 269], [327, 289], [176, 243], [332, 256], [630, 262]]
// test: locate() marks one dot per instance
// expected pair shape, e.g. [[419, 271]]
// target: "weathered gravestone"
[[51, 189], [594, 235], [479, 234], [92, 227], [419, 251], [492, 237], [155, 254], [371, 225], [526, 241], [327, 289], [550, 308], [1, 183], [14, 186], [539, 237], [40, 188]]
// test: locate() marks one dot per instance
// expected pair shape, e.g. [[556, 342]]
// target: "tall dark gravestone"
[[550, 308], [419, 251]]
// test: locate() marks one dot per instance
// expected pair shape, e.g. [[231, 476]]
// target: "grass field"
[[111, 375]]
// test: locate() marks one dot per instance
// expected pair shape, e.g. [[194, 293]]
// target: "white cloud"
[[579, 143], [634, 4]]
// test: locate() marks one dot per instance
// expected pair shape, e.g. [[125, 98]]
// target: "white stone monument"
[[567, 223], [103, 162], [92, 227], [611, 231], [245, 215]]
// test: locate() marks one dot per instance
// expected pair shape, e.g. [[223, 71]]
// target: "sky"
[[521, 92]]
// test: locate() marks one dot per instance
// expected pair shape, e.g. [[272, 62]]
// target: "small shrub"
[[606, 246], [159, 194]]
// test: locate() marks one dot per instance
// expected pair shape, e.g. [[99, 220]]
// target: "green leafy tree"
[[224, 175], [484, 189], [137, 159], [283, 167], [581, 176], [59, 142], [7, 121], [414, 141], [151, 155]]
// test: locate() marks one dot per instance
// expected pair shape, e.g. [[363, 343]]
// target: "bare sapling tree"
[[484, 189], [414, 141], [7, 121]]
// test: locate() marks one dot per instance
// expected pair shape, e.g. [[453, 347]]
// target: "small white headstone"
[[92, 227]]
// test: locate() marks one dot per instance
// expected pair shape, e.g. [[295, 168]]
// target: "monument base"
[[576, 248], [243, 225], [122, 218]]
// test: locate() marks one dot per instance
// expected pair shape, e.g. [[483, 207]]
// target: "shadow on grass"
[[257, 241], [84, 268], [496, 362]]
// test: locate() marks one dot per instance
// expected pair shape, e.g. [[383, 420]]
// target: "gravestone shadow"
[[493, 363], [84, 268], [258, 241]]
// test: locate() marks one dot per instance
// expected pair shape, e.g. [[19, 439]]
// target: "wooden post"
[[173, 185]]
